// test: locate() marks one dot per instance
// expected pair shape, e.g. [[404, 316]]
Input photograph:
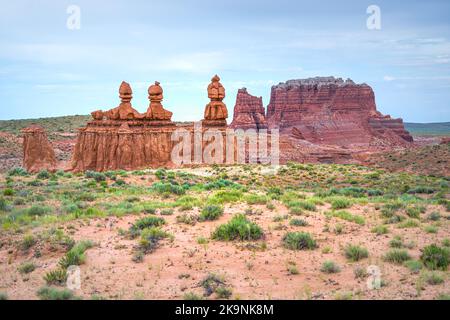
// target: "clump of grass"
[[3, 296], [435, 257], [433, 278], [168, 188], [413, 265], [192, 296], [56, 277], [27, 242], [347, 216], [409, 223], [43, 174], [143, 223], [396, 242], [330, 267], [202, 240], [211, 283], [255, 199], [27, 267], [239, 227], [166, 212], [298, 222], [381, 229], [292, 268], [360, 273], [48, 293], [397, 256], [76, 256], [434, 216], [296, 211], [355, 252], [185, 218], [210, 213], [299, 241], [338, 203], [223, 292]]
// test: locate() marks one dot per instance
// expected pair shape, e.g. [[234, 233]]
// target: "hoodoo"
[[249, 112], [38, 153]]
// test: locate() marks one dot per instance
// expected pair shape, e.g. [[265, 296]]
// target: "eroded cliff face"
[[249, 112], [38, 153], [330, 110]]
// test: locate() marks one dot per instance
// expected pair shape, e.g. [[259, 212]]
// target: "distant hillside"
[[55, 124], [432, 129]]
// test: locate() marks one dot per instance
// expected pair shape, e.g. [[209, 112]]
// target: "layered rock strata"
[[249, 112], [38, 153]]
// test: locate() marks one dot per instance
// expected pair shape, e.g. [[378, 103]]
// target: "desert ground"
[[297, 231]]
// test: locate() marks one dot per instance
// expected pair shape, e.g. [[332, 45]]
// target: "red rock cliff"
[[38, 154], [249, 112], [333, 111]]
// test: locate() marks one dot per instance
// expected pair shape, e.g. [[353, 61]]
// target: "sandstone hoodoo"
[[249, 112], [330, 110], [38, 153], [216, 111]]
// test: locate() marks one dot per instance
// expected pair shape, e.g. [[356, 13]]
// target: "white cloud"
[[388, 78]]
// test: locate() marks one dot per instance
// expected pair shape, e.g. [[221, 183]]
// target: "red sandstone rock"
[[38, 153], [327, 110], [216, 111], [249, 112], [155, 110], [445, 140]]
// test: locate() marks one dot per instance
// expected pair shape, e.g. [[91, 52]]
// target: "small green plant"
[[192, 296], [8, 192], [292, 268], [223, 292], [409, 223], [299, 241], [166, 212], [202, 240], [26, 267], [397, 256], [48, 293], [355, 252], [210, 213], [340, 203], [435, 257], [211, 283], [43, 174], [298, 222], [360, 273], [3, 296], [330, 267], [189, 219], [413, 265], [145, 222], [239, 227], [380, 230], [56, 277], [75, 256], [433, 278], [396, 242], [150, 238], [27, 242], [434, 216], [345, 215]]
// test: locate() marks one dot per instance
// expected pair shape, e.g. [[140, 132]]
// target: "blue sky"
[[48, 70]]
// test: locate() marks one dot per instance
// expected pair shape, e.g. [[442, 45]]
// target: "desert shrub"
[[225, 196], [296, 211], [75, 256], [355, 252], [430, 229], [19, 201], [433, 278], [299, 241], [381, 229], [223, 292], [389, 209], [56, 277], [26, 267], [220, 184], [3, 296], [446, 242], [239, 227], [27, 242], [340, 203], [48, 293], [298, 222], [97, 176], [145, 222], [38, 210], [18, 171], [255, 199], [421, 189], [374, 192], [397, 256], [360, 273], [187, 219], [4, 205], [211, 212], [347, 216], [164, 187], [396, 242], [192, 296], [413, 265], [413, 212], [166, 212], [8, 192], [43, 174], [211, 283], [435, 257], [330, 267], [434, 216], [150, 238], [409, 223]]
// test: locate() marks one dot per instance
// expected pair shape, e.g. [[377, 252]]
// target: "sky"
[[49, 69]]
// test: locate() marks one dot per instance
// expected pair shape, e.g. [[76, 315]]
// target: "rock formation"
[[38, 153], [249, 112], [155, 110], [330, 110], [216, 111]]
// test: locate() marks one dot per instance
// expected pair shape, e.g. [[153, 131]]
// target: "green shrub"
[[163, 187], [75, 256], [435, 257], [422, 189], [211, 283], [43, 174], [396, 242], [381, 229], [150, 238], [166, 212], [223, 292], [434, 216], [413, 212], [296, 211], [340, 203], [192, 296], [8, 192], [187, 219], [347, 216], [430, 229], [211, 212], [239, 227], [145, 222], [26, 267], [299, 241], [38, 210], [56, 277], [355, 252], [397, 256], [298, 222], [48, 293], [3, 296], [27, 242], [433, 278], [4, 205], [413, 265], [330, 267], [409, 223], [17, 172]]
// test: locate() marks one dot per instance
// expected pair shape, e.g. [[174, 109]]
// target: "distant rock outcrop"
[[330, 110], [249, 112], [38, 154]]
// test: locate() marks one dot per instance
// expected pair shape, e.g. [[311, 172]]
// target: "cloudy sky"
[[47, 69]]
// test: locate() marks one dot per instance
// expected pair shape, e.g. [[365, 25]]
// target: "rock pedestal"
[[216, 111], [38, 153]]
